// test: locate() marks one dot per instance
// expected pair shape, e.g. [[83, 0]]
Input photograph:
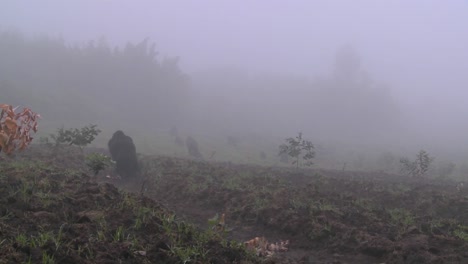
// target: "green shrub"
[[419, 166], [295, 147], [74, 136], [97, 162]]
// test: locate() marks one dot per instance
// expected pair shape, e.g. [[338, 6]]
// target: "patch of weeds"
[[102, 229], [127, 201], [42, 238], [217, 227], [435, 224], [184, 254], [258, 204], [134, 243], [45, 198], [7, 215], [297, 204], [398, 189], [363, 203], [232, 184], [26, 192], [22, 240], [138, 223], [320, 206], [47, 259], [401, 216], [196, 186], [320, 232], [144, 213], [58, 239], [402, 219], [85, 251], [119, 234], [461, 232], [70, 173]]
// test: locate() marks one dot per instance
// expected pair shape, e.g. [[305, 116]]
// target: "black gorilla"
[[123, 152], [192, 147]]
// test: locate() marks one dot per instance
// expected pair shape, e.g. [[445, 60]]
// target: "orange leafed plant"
[[15, 128], [264, 248]]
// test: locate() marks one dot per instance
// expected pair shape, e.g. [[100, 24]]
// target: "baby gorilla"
[[123, 152]]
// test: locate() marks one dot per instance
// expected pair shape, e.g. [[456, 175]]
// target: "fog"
[[373, 75]]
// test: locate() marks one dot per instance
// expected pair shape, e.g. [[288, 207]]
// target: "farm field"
[[53, 211]]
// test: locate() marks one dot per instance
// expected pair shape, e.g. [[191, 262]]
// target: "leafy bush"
[[295, 147], [74, 136], [15, 128], [97, 162], [419, 166]]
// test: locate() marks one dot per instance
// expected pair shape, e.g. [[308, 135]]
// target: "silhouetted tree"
[[72, 81]]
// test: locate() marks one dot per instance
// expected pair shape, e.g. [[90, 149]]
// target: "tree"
[[15, 128], [298, 148], [419, 166], [78, 137]]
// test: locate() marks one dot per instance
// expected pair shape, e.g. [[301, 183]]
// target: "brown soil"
[[328, 216]]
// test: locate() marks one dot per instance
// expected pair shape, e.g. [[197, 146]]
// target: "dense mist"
[[360, 79]]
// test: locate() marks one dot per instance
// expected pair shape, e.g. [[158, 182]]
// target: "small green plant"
[[419, 166], [119, 234], [22, 240], [401, 216], [47, 259], [74, 136], [402, 219], [42, 238], [97, 162], [295, 147], [218, 227], [461, 232]]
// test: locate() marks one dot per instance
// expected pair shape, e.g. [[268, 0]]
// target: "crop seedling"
[[119, 234], [185, 254], [295, 147], [419, 166], [97, 162], [22, 240], [47, 259], [217, 224]]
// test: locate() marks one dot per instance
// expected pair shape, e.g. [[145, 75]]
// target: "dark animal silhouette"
[[123, 152], [192, 147]]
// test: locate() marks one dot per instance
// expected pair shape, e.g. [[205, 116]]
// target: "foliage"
[[15, 128], [97, 162], [419, 166], [74, 136], [295, 148], [101, 70]]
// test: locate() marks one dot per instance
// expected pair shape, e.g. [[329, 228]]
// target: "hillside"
[[53, 212]]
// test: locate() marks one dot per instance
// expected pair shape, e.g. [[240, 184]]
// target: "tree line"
[[90, 80]]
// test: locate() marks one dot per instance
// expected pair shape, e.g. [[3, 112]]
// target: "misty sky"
[[413, 46]]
